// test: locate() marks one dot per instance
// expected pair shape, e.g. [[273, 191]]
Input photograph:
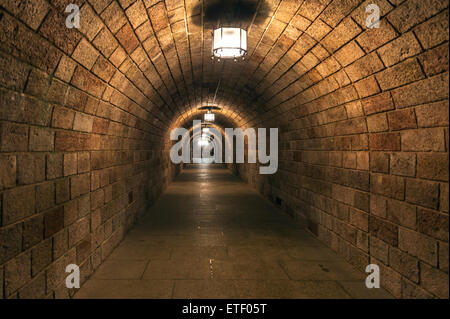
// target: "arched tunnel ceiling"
[[163, 50], [158, 53], [180, 39]]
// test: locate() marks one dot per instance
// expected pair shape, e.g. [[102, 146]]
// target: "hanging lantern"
[[229, 43], [209, 116]]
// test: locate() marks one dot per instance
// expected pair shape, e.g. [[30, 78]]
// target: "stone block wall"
[[362, 114], [363, 120], [81, 148]]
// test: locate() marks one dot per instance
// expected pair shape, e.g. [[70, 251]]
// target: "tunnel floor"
[[211, 236]]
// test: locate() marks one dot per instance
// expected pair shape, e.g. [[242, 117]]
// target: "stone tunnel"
[[90, 92]]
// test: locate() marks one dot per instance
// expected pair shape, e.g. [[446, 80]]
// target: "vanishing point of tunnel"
[[353, 96]]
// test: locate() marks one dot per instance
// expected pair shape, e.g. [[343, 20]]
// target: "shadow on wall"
[[232, 13]]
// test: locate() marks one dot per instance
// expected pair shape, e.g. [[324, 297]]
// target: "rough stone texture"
[[363, 119]]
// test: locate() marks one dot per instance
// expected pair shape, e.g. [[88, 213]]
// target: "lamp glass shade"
[[209, 117], [229, 42]]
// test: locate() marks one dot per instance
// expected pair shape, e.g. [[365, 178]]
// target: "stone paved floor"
[[211, 236]]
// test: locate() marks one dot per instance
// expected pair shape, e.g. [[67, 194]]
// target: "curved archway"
[[86, 115]]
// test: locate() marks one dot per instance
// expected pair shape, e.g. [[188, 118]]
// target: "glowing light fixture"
[[204, 140], [229, 43], [209, 116]]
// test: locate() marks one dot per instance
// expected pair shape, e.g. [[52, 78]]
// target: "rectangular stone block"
[[1, 282], [97, 199], [434, 280], [13, 137], [362, 161], [422, 193], [378, 103], [367, 87], [387, 185], [379, 249], [433, 224], [377, 123], [443, 257], [45, 196], [401, 213], [100, 126], [53, 221], [402, 119], [84, 249], [359, 219], [403, 164], [84, 205], [17, 273], [85, 54], [35, 289], [435, 61], [379, 162], [78, 231], [84, 162], [11, 239], [114, 17], [391, 281], [127, 38], [60, 243], [14, 74], [33, 231], [18, 204], [433, 115], [41, 139], [433, 166], [63, 118], [405, 264], [378, 206], [384, 230], [79, 185], [62, 190], [70, 212], [423, 140], [426, 91], [70, 164], [410, 290], [54, 165], [385, 142], [411, 13], [83, 122], [444, 197], [398, 50], [41, 256], [8, 169], [433, 31], [30, 168], [57, 92], [418, 245]]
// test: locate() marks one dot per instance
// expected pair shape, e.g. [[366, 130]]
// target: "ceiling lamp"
[[229, 43], [203, 142], [209, 116]]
